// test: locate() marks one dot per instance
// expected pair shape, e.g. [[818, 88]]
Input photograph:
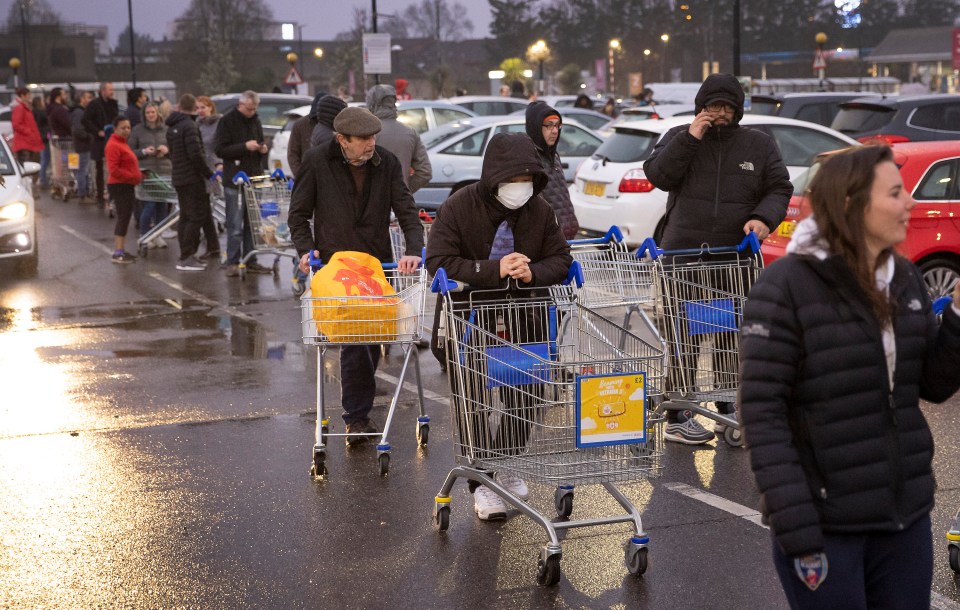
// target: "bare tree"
[[36, 12], [437, 20]]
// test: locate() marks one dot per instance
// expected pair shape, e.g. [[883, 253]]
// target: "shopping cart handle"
[[241, 178], [216, 174], [443, 285], [750, 241], [316, 263], [649, 246], [278, 174], [289, 184], [614, 234], [940, 305], [575, 274]]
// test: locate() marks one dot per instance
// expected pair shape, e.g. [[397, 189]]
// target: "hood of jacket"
[[315, 105], [537, 112], [509, 155], [326, 109], [721, 88], [401, 84], [176, 117], [382, 101]]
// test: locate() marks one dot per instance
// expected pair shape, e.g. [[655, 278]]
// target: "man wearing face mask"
[[496, 232], [348, 189], [543, 126]]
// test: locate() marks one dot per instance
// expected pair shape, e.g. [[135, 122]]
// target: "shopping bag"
[[352, 300]]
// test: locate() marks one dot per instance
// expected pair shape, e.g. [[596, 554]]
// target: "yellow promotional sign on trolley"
[[611, 409]]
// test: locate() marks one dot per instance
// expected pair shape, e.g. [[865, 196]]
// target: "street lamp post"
[[663, 59], [15, 65], [539, 52], [820, 61], [613, 47], [133, 54], [23, 37]]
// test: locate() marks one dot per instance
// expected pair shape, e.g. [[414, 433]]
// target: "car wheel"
[[940, 275]]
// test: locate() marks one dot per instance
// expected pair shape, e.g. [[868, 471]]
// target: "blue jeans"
[[239, 237], [45, 165], [151, 215], [83, 174], [358, 365]]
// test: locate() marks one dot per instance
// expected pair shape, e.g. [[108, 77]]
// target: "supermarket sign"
[[611, 409]]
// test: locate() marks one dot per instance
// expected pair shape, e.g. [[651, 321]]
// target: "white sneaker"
[[169, 234], [513, 484], [488, 505]]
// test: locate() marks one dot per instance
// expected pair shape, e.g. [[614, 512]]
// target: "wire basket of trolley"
[[953, 534], [267, 200], [353, 301], [157, 188], [545, 389], [64, 166], [397, 240], [702, 293]]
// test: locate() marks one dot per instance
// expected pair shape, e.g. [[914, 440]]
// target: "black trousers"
[[194, 214], [124, 200]]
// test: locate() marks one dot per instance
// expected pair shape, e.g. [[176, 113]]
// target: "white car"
[[18, 220], [456, 153], [646, 113], [612, 189], [6, 126], [277, 157]]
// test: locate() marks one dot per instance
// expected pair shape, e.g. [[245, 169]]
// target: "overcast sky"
[[323, 19]]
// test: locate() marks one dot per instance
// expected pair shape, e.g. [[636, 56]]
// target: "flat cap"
[[356, 121]]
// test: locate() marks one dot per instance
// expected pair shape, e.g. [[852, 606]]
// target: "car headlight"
[[13, 211]]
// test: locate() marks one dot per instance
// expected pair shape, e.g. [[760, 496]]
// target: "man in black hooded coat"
[[544, 125]]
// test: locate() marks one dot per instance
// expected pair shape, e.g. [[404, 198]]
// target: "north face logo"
[[746, 166], [914, 305]]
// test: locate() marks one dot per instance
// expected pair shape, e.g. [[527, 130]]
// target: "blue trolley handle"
[[216, 174], [613, 235], [278, 174], [443, 284], [241, 178], [751, 242], [940, 305]]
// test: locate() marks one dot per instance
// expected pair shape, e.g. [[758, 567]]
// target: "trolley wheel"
[[298, 288], [548, 572], [563, 501], [636, 560], [733, 436], [441, 517], [423, 434], [955, 558], [383, 464], [319, 467]]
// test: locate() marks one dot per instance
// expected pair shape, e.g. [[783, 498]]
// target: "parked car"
[[816, 107], [490, 105], [930, 171], [277, 157], [18, 220], [424, 115], [900, 119], [6, 123], [272, 111], [646, 113], [612, 189], [456, 153], [591, 119]]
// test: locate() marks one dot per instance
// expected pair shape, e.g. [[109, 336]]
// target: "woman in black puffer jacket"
[[838, 346]]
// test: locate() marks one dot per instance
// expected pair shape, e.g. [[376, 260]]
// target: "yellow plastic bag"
[[352, 300]]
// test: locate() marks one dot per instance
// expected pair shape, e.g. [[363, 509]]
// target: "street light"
[[663, 59], [613, 46], [539, 52], [15, 65], [820, 62]]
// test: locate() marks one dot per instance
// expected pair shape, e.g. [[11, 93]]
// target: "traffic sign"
[[819, 61], [293, 77]]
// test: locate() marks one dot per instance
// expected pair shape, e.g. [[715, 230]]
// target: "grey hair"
[[250, 97]]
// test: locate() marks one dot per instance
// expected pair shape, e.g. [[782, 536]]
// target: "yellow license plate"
[[786, 228], [594, 189]]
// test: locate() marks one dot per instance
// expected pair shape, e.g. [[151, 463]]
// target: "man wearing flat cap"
[[724, 181], [348, 189]]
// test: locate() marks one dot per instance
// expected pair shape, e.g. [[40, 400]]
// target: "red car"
[[931, 172]]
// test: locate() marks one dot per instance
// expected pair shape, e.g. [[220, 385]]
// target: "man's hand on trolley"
[[758, 227], [408, 263], [517, 266], [305, 261]]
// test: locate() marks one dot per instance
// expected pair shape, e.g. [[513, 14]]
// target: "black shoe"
[[359, 433], [258, 268]]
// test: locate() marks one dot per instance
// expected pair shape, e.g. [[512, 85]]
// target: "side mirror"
[[30, 168]]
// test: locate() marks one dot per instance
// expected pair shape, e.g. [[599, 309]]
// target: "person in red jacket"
[[124, 172], [27, 142]]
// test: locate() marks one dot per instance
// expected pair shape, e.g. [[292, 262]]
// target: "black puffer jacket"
[[233, 132], [97, 115], [832, 448], [717, 184], [186, 150], [555, 192], [325, 193]]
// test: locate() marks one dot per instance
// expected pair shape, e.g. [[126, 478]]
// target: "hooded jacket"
[[327, 110], [717, 184], [556, 192], [208, 135], [398, 138], [186, 150], [26, 134], [233, 132], [300, 134], [836, 445], [143, 136]]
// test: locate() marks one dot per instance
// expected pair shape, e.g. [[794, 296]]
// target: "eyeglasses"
[[551, 126], [718, 106]]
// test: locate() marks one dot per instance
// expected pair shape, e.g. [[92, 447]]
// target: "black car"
[[816, 107], [914, 118]]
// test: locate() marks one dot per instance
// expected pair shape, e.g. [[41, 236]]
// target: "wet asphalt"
[[156, 432]]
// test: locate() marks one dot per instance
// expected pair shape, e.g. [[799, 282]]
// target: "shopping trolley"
[[367, 326], [155, 187], [399, 243], [267, 201], [64, 165], [953, 534], [703, 291], [559, 407]]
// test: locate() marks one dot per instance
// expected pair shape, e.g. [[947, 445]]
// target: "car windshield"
[[591, 121], [856, 119], [764, 107], [6, 162], [627, 146], [435, 136], [803, 179]]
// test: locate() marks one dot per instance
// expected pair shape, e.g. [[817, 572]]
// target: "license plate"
[[594, 189], [786, 228]]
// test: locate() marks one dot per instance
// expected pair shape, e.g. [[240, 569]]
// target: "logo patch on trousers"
[[811, 569], [746, 166]]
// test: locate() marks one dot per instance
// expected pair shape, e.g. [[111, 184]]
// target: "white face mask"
[[514, 194]]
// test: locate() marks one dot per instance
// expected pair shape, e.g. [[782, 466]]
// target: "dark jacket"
[[98, 114], [324, 192], [556, 192], [40, 116], [233, 132], [324, 112], [81, 139], [186, 150], [134, 114], [299, 142], [59, 118], [717, 184], [832, 448]]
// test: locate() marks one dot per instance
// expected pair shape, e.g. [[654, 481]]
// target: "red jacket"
[[121, 162], [26, 135]]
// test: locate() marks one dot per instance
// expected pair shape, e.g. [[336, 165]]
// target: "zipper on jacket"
[[716, 193], [895, 456]]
